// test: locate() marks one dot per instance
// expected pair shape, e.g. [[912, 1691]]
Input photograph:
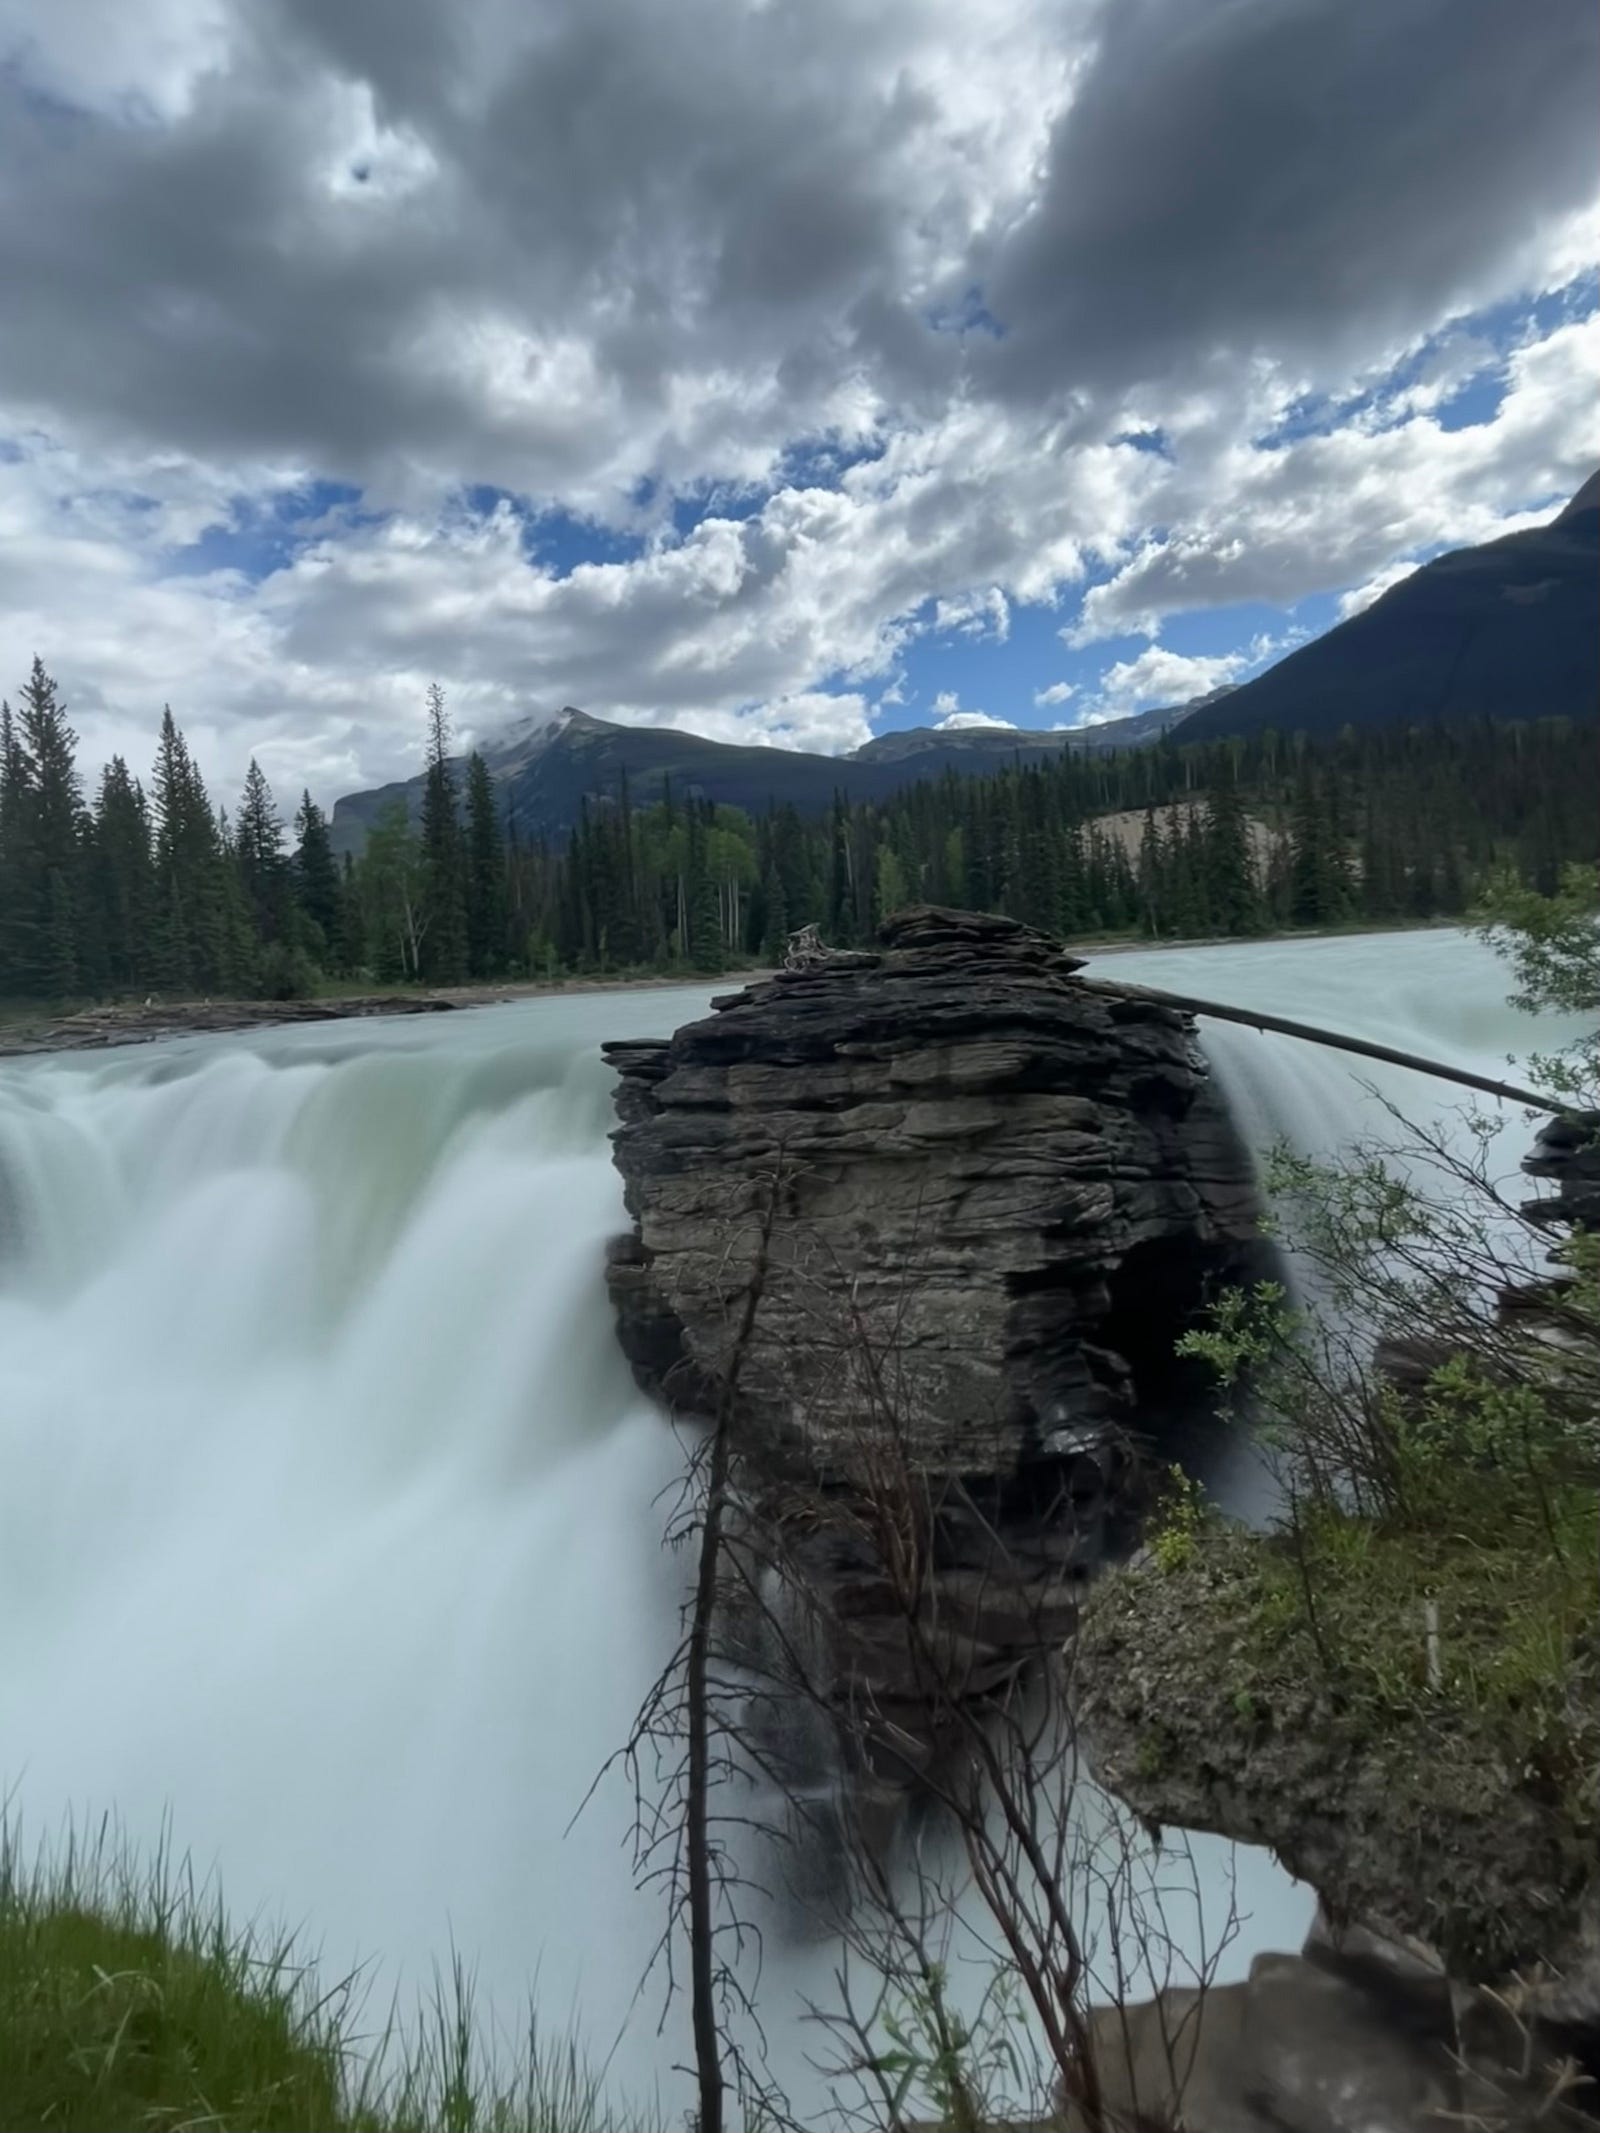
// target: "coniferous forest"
[[136, 887]]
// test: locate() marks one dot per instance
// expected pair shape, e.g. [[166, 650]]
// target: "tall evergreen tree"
[[17, 917], [318, 889], [1318, 867], [124, 899], [705, 920], [51, 841], [486, 873], [352, 951], [444, 943], [193, 877], [1232, 895], [775, 927], [258, 853]]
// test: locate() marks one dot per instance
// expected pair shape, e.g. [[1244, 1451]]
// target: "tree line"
[[153, 889], [1230, 838]]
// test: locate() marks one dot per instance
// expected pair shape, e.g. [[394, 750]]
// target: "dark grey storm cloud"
[[599, 251], [629, 236], [1314, 179], [733, 191]]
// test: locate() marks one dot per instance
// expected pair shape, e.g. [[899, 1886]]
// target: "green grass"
[[129, 2000], [1513, 1599]]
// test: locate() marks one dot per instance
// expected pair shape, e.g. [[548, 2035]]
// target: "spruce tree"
[[258, 853], [1318, 866], [245, 959], [705, 920], [124, 900], [52, 840], [1232, 896], [352, 936], [1155, 877], [197, 884], [486, 873], [775, 918], [443, 955], [317, 887], [17, 918]]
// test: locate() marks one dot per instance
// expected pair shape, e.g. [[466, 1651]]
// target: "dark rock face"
[[1007, 1181], [994, 1193], [1567, 1151]]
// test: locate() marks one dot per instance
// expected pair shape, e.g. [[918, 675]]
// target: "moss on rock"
[[1282, 1690]]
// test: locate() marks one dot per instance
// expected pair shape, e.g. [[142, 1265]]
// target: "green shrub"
[[285, 973]]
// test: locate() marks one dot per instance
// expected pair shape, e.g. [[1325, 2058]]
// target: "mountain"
[[1510, 629], [546, 769], [954, 746]]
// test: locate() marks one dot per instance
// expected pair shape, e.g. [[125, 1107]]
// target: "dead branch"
[[1281, 1026]]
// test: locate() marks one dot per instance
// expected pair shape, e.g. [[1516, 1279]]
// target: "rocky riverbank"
[[124, 1022], [104, 1028]]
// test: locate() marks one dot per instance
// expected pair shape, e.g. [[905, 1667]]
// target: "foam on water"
[[329, 1514]]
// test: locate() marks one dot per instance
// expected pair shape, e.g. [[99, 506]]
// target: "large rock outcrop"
[[1005, 1182], [1428, 1827], [983, 1196]]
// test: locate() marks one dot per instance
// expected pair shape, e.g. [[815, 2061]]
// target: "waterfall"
[[329, 1515]]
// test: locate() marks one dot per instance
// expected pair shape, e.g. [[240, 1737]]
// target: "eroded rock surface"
[[1426, 1828], [1355, 2035], [1005, 1182], [984, 1194]]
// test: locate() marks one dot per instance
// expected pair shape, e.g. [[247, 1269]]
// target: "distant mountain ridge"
[[548, 768], [1509, 629]]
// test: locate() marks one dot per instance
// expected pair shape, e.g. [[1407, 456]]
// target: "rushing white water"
[[329, 1515]]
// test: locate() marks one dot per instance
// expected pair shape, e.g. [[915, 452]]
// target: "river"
[[329, 1514]]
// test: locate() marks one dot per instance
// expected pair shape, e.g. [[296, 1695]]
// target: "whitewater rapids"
[[330, 1516]]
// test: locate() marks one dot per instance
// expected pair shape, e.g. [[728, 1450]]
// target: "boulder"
[[977, 1200]]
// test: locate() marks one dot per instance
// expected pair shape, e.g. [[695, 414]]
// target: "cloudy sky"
[[788, 369]]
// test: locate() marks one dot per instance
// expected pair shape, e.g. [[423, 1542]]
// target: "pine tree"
[[1318, 867], [775, 918], [705, 920], [258, 853], [184, 948], [17, 918], [52, 843], [173, 952], [352, 951], [1232, 896], [486, 873], [318, 890], [444, 943], [1153, 875], [245, 962], [124, 900]]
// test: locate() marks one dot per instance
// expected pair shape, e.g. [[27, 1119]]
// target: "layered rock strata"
[[977, 1201]]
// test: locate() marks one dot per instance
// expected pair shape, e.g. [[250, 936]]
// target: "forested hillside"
[[153, 890], [1504, 630]]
